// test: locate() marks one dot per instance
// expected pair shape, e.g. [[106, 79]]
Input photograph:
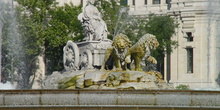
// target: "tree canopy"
[[52, 26]]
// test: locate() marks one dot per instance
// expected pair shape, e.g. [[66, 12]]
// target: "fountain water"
[[12, 54], [121, 12], [126, 21]]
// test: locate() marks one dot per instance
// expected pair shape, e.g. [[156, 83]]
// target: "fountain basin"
[[109, 99]]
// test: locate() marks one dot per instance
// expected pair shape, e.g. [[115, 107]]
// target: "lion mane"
[[120, 52], [118, 38]]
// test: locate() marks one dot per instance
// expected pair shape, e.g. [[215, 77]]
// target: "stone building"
[[196, 61]]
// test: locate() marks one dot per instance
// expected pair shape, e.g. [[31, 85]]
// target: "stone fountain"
[[99, 63]]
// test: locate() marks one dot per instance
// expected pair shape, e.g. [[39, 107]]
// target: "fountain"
[[82, 60], [121, 83]]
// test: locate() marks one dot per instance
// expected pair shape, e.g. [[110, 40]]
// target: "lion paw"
[[118, 69]]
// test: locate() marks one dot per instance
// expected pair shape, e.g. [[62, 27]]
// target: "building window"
[[156, 1], [133, 2], [167, 1], [145, 2], [189, 36], [124, 2], [189, 60]]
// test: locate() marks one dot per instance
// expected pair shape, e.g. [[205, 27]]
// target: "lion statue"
[[120, 52], [141, 50]]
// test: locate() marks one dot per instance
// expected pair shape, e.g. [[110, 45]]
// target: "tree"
[[54, 27], [36, 27], [62, 26]]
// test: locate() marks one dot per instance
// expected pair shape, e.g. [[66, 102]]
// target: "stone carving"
[[97, 51], [141, 50], [84, 55], [105, 80], [71, 56], [120, 51], [89, 53], [123, 53], [93, 25]]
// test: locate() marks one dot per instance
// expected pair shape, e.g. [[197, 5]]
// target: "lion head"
[[121, 42]]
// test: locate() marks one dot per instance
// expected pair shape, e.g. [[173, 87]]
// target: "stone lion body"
[[141, 50], [120, 52]]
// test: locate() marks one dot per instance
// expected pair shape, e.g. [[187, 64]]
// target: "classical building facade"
[[196, 61]]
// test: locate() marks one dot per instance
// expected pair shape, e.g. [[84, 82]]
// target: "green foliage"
[[51, 26], [182, 87], [62, 26], [163, 27]]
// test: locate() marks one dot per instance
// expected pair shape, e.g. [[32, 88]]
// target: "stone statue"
[[141, 50], [123, 54], [120, 51], [93, 25]]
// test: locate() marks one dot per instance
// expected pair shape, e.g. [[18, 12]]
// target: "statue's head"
[[121, 42]]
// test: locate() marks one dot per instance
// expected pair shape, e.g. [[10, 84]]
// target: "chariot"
[[84, 55]]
